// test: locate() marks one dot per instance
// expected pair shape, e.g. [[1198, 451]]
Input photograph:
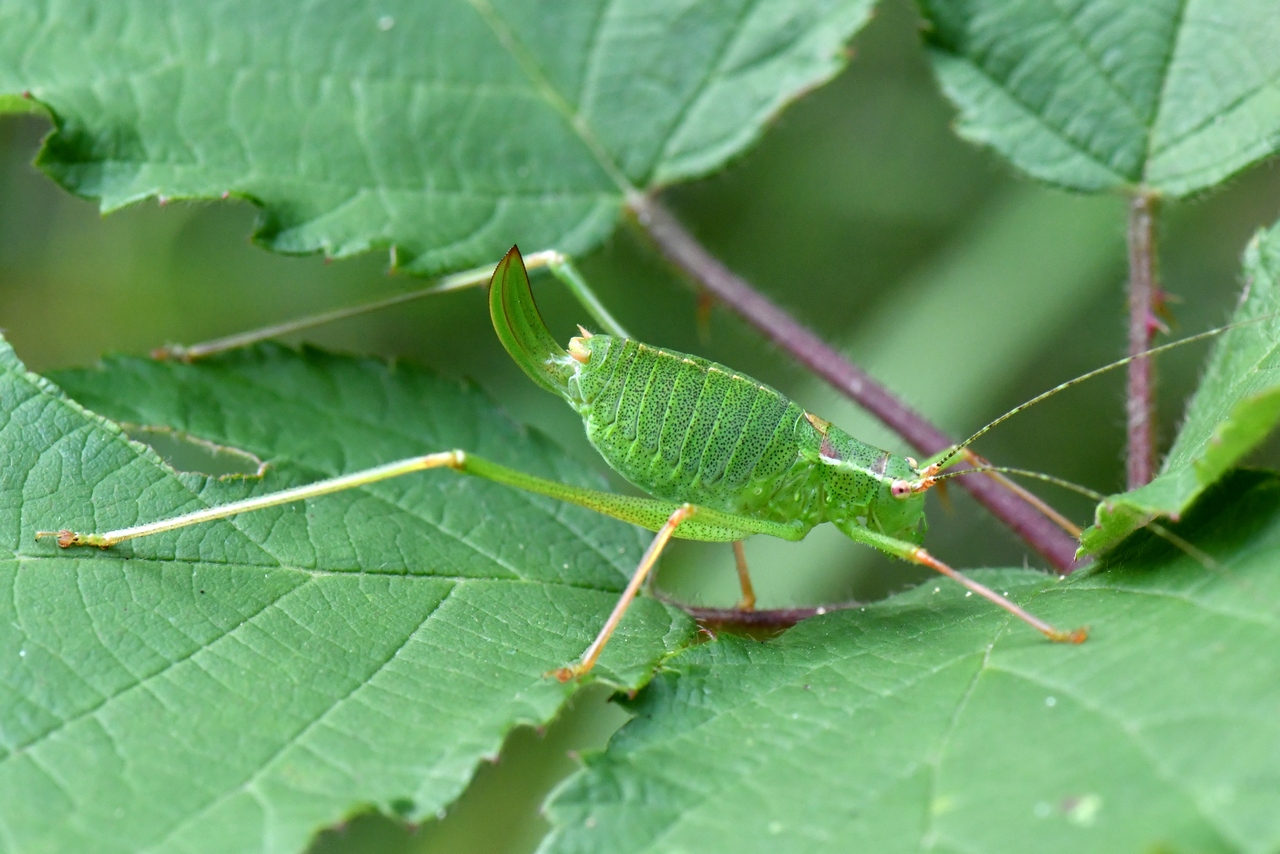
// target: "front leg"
[[917, 555]]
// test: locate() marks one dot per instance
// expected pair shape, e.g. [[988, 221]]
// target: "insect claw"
[[564, 674], [1079, 635], [67, 539]]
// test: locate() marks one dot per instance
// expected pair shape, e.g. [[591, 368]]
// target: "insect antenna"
[[929, 473], [1191, 550], [982, 466], [986, 467]]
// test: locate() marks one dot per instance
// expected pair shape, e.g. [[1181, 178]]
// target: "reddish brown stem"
[[1143, 296], [767, 618], [683, 250]]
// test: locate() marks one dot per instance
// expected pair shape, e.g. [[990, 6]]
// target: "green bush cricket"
[[723, 456]]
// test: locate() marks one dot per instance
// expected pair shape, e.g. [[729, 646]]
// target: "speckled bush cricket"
[[722, 455]]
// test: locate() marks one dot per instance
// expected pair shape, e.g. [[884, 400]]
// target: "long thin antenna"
[[1191, 550], [1038, 475], [931, 471], [982, 466]]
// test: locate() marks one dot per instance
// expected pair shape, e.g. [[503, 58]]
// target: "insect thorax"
[[684, 428]]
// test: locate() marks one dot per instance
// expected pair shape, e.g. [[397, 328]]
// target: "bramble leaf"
[[1171, 95], [446, 129], [233, 686], [1236, 405], [934, 722]]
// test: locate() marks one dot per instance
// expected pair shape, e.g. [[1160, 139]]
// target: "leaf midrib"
[[1132, 730], [1134, 733], [713, 69], [524, 59], [1148, 153], [198, 646], [1027, 109], [287, 742], [21, 748], [310, 572], [528, 65], [710, 792], [928, 836]]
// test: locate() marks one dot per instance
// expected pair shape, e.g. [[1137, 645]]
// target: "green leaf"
[[932, 722], [1171, 95], [234, 686], [445, 129], [1235, 407]]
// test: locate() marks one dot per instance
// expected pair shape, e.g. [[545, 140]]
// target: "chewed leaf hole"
[[191, 454]]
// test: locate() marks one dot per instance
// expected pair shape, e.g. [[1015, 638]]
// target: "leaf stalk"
[[1144, 303]]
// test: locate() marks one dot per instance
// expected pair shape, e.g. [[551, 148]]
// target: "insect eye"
[[900, 489]]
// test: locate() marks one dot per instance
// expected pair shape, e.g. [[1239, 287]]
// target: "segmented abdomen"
[[686, 429]]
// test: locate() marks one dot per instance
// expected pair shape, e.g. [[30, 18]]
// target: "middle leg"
[[748, 600], [564, 674]]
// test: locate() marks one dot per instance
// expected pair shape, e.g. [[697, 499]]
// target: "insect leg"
[[1070, 528], [748, 600], [456, 281], [560, 265], [661, 516], [67, 538], [646, 512], [681, 513], [915, 554]]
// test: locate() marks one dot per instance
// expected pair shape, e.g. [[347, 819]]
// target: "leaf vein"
[[24, 747], [251, 781]]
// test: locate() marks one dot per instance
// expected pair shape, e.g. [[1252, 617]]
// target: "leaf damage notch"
[[187, 453]]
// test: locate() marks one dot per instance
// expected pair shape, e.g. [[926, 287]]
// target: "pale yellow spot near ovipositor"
[[578, 349]]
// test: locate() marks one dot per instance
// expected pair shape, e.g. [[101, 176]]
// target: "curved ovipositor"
[[521, 329]]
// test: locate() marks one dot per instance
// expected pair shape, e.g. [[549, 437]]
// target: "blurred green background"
[[964, 287]]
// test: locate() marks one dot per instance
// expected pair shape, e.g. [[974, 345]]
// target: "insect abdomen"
[[686, 429]]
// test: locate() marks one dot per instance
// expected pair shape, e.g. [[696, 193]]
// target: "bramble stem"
[[683, 250], [764, 618], [1143, 297]]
